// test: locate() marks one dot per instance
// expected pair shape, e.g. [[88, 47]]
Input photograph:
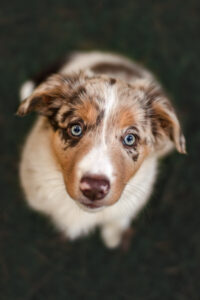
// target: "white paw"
[[111, 236]]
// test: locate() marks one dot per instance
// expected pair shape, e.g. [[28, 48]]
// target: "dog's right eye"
[[129, 140], [76, 130]]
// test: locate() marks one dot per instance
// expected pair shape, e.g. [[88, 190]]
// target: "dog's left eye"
[[129, 139], [76, 130]]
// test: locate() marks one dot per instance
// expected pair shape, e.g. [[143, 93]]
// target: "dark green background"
[[164, 258]]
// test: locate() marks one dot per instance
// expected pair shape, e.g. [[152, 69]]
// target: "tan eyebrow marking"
[[126, 118], [88, 112]]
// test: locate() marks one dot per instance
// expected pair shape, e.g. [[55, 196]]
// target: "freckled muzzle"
[[94, 188]]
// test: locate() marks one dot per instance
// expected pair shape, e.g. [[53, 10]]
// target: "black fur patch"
[[153, 93], [135, 157], [35, 103], [52, 117], [112, 68], [100, 117], [154, 127], [69, 141], [112, 81], [66, 115], [75, 97]]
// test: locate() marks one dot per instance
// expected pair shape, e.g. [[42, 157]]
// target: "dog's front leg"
[[112, 232]]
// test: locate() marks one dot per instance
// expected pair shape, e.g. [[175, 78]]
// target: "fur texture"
[[109, 99]]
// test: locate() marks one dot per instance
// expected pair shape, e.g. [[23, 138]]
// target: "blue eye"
[[129, 139], [76, 130]]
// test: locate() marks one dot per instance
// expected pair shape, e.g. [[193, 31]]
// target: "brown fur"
[[107, 68]]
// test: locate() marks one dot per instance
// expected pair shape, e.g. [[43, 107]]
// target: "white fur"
[[110, 98], [97, 161], [26, 89]]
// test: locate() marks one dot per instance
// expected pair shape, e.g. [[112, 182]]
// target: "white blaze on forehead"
[[97, 160], [110, 102]]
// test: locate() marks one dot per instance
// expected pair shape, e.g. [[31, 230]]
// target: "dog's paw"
[[111, 236]]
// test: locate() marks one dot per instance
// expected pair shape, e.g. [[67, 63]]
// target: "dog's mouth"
[[92, 206], [89, 206]]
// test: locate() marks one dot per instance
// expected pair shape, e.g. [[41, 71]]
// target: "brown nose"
[[94, 187]]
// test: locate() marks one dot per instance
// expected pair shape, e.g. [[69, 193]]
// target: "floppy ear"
[[46, 97], [165, 125]]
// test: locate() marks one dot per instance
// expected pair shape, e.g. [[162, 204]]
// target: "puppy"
[[90, 159]]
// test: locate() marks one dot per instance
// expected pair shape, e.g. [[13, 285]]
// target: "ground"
[[163, 261]]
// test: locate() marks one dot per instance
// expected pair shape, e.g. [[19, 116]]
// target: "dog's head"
[[102, 129]]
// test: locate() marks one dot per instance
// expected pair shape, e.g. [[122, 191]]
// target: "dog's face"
[[102, 129]]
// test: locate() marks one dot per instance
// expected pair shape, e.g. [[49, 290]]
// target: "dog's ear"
[[165, 124], [47, 96]]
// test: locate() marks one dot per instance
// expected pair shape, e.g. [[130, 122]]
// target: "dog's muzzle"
[[94, 187]]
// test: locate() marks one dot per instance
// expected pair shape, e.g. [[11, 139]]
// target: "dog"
[[91, 157]]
